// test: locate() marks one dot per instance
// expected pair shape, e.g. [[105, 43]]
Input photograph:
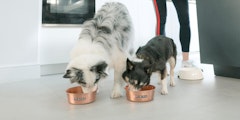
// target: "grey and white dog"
[[105, 42], [150, 58]]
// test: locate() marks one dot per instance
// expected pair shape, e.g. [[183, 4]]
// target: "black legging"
[[183, 17]]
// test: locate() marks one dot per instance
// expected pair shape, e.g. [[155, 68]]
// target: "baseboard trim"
[[51, 69], [25, 72], [19, 73]]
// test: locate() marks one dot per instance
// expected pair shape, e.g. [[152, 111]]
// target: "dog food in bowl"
[[143, 95], [77, 97]]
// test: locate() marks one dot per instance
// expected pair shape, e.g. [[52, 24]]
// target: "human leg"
[[161, 5], [183, 17], [185, 32]]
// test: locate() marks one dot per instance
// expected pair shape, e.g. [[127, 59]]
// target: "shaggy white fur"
[[107, 38]]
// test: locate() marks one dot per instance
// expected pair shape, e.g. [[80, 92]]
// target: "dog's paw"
[[116, 94], [172, 84], [164, 91]]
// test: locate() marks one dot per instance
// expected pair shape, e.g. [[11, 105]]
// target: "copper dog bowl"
[[76, 96], [144, 95]]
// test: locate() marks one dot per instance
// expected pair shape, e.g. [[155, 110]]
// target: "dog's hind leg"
[[172, 63]]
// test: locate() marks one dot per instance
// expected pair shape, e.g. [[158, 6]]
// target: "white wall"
[[19, 38], [19, 32], [62, 39], [56, 42], [25, 44]]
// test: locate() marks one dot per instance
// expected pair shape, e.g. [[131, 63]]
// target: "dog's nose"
[[66, 76]]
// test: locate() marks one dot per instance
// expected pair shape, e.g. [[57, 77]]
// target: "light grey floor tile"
[[213, 98]]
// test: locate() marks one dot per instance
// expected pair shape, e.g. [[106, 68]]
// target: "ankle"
[[187, 63]]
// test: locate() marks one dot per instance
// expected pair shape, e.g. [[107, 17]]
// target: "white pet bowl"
[[191, 73]]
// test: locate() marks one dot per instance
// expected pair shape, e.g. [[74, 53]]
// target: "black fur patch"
[[99, 69], [75, 75]]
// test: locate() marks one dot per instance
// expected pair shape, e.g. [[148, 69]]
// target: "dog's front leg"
[[164, 90], [118, 85]]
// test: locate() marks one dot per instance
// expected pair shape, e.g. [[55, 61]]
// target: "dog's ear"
[[130, 65], [147, 67], [100, 68], [138, 49]]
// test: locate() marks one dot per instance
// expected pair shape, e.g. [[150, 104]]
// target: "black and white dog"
[[105, 42], [152, 58]]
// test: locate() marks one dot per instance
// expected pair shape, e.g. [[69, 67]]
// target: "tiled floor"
[[213, 98]]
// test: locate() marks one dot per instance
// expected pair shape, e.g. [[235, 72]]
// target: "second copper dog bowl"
[[76, 96], [144, 95]]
